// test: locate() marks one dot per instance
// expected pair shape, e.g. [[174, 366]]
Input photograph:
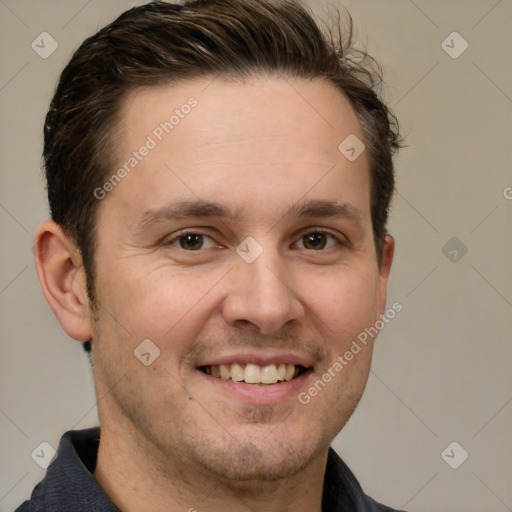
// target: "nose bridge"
[[267, 279], [262, 293]]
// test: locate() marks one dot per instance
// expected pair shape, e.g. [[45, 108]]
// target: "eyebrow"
[[186, 209], [324, 209]]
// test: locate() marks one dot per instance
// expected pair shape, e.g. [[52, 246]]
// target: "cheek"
[[346, 302], [162, 304]]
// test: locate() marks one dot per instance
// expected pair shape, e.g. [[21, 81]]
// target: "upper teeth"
[[252, 373]]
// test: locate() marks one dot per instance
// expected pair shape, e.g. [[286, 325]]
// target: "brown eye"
[[315, 240], [191, 241], [318, 240]]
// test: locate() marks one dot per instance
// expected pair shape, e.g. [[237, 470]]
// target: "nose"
[[261, 296]]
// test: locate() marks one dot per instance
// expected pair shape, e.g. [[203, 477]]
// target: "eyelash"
[[176, 239], [337, 239]]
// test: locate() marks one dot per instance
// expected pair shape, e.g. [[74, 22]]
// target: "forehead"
[[290, 106], [254, 141]]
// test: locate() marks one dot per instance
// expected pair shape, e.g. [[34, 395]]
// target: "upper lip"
[[259, 358]]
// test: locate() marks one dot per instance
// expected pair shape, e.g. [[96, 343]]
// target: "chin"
[[263, 461]]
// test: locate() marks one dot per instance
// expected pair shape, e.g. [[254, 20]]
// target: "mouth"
[[255, 374]]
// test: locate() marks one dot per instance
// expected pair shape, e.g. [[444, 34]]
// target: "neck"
[[137, 477]]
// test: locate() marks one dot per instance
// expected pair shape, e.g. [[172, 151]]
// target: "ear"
[[387, 252], [59, 267]]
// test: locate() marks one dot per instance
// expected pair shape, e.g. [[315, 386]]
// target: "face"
[[240, 244]]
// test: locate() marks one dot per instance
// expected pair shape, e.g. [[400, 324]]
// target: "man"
[[219, 176]]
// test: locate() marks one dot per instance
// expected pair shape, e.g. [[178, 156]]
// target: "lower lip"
[[258, 393]]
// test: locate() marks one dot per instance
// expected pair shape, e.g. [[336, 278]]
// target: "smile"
[[254, 374]]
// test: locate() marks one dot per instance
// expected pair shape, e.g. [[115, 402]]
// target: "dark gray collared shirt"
[[70, 486]]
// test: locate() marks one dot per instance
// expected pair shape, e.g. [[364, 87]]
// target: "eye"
[[192, 241], [318, 240]]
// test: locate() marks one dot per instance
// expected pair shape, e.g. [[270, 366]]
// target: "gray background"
[[442, 367]]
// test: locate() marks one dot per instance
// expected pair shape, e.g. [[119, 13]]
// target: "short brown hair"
[[161, 43]]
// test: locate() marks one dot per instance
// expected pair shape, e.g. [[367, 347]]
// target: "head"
[[241, 107]]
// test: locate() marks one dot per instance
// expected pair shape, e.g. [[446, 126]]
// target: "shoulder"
[[69, 483], [379, 507], [25, 507], [342, 491]]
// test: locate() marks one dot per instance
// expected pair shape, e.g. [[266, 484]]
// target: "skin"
[[172, 437]]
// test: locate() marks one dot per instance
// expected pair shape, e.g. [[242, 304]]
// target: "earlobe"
[[61, 275]]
